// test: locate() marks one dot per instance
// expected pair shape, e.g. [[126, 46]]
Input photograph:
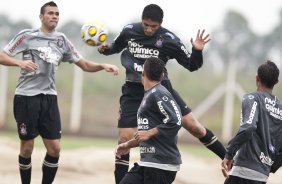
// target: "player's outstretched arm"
[[200, 40], [90, 66], [27, 65], [124, 148]]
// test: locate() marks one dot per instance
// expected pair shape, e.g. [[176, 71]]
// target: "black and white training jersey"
[[163, 44], [47, 50], [159, 110], [259, 137]]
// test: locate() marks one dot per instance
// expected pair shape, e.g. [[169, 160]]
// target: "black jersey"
[[163, 44], [259, 137], [159, 110]]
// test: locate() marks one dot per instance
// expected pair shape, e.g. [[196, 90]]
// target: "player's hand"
[[141, 136], [226, 166], [200, 40], [28, 66], [111, 68], [121, 149], [102, 48]]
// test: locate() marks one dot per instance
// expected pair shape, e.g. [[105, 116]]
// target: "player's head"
[[153, 69], [152, 18], [268, 74], [49, 15]]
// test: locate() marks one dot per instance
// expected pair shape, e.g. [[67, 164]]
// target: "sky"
[[184, 17]]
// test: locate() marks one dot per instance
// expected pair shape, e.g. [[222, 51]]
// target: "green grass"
[[76, 142]]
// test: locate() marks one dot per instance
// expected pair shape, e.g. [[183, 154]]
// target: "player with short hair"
[[159, 120], [258, 141], [137, 42], [35, 102]]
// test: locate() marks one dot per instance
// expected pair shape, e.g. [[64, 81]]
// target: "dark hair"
[[154, 68], [268, 74], [153, 12], [51, 3]]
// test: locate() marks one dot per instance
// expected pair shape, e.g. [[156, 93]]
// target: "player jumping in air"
[[142, 40]]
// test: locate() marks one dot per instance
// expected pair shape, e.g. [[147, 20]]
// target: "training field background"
[[90, 161]]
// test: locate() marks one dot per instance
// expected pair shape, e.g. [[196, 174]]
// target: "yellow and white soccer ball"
[[94, 33]]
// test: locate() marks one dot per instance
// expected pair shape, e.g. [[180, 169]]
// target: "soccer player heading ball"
[[142, 40]]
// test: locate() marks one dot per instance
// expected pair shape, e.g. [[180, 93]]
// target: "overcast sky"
[[182, 18]]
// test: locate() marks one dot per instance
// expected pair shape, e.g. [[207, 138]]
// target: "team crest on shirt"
[[60, 42], [22, 128], [159, 42]]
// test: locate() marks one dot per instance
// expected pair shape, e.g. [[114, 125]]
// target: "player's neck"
[[264, 89], [149, 84], [45, 30]]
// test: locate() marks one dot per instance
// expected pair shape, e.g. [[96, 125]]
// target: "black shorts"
[[237, 180], [148, 175], [37, 115], [132, 95]]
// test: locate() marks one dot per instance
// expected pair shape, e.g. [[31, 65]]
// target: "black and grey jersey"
[[159, 110], [164, 44], [47, 50], [259, 137]]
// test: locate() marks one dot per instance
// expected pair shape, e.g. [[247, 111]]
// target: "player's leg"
[[26, 149], [132, 94], [191, 124], [26, 113], [50, 163], [158, 176], [50, 130], [122, 163], [134, 176]]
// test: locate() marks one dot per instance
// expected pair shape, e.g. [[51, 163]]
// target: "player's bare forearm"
[[90, 66], [26, 65], [145, 135], [8, 61]]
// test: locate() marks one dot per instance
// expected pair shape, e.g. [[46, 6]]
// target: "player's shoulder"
[[133, 27], [167, 34], [251, 96], [28, 31]]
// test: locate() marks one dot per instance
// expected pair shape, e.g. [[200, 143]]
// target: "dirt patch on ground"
[[95, 165]]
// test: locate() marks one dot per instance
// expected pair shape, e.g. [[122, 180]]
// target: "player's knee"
[[26, 152], [193, 126], [54, 151], [26, 149]]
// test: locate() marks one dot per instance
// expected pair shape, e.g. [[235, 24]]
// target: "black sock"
[[121, 167], [49, 168], [25, 169], [211, 142]]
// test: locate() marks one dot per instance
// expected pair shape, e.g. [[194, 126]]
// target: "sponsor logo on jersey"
[[138, 50], [165, 98], [46, 54], [271, 148], [176, 111], [163, 112], [265, 159], [252, 114], [144, 149], [143, 123], [21, 39], [138, 68], [275, 112], [185, 50]]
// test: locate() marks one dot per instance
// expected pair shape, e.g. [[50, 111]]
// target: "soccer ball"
[[94, 33]]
